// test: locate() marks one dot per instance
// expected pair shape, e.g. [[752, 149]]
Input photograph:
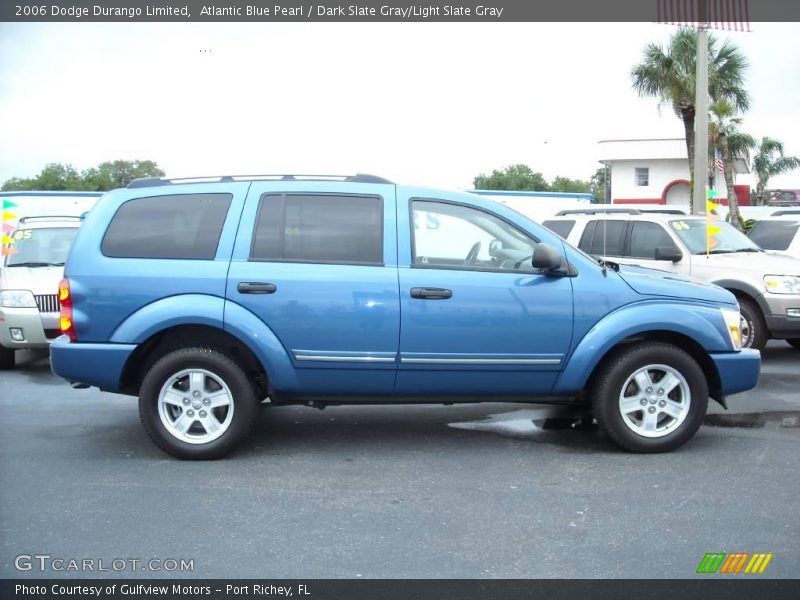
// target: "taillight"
[[65, 300]]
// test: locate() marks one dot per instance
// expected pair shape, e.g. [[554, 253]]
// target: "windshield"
[[40, 247], [727, 239]]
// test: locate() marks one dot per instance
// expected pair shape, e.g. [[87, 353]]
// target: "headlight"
[[733, 323], [782, 284], [17, 299]]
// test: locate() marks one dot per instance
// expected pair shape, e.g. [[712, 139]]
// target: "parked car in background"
[[29, 306], [778, 233], [205, 298], [766, 285]]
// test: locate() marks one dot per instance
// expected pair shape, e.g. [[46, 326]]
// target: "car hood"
[[39, 280], [651, 282], [760, 263]]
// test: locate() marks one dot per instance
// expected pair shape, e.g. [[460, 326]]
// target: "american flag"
[[731, 15], [718, 162]]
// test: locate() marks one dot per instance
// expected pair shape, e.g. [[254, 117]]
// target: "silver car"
[[32, 268]]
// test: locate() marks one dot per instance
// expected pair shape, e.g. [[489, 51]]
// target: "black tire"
[[242, 401], [7, 358], [607, 387], [751, 314]]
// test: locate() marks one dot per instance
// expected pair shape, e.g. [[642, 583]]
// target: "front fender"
[[185, 309], [703, 324]]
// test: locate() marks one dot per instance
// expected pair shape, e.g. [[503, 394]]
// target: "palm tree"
[[668, 73], [730, 142], [767, 164]]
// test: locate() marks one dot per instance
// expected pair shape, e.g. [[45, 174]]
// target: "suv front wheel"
[[650, 397], [196, 403]]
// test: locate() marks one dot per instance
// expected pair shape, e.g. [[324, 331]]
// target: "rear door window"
[[319, 228], [183, 226], [604, 237]]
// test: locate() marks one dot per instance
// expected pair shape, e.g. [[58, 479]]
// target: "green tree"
[[730, 142], [770, 161], [106, 176], [668, 73], [565, 184], [514, 177], [597, 184]]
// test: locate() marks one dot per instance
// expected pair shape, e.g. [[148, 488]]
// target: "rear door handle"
[[256, 288], [431, 293]]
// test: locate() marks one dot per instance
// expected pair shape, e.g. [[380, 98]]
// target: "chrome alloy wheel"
[[746, 333], [654, 401], [195, 406]]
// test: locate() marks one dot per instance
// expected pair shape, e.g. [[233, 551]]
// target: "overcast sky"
[[424, 103]]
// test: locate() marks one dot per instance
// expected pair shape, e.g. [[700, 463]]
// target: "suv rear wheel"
[[650, 397], [196, 403]]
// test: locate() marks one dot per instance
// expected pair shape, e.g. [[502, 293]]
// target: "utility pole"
[[701, 115]]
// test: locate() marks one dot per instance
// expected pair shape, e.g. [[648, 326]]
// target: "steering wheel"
[[473, 254]]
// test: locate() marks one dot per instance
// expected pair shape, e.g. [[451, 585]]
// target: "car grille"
[[48, 303]]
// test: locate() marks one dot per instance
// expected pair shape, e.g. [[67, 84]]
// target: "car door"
[[476, 317], [317, 265]]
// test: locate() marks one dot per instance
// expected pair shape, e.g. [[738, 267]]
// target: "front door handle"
[[431, 293], [256, 288]]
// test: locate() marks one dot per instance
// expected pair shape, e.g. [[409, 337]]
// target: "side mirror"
[[546, 257], [670, 253]]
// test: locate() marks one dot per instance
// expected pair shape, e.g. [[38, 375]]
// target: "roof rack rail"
[[52, 217], [598, 211], [157, 181], [789, 211]]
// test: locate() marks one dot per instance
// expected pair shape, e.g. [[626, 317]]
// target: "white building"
[[656, 171]]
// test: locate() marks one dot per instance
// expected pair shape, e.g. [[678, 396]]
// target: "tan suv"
[[766, 284], [29, 278]]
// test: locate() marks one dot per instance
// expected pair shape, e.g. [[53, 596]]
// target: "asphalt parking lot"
[[477, 491]]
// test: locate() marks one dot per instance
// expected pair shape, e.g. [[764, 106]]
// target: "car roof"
[[795, 217]]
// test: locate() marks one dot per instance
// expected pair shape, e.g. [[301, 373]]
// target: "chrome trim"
[[483, 361], [47, 303], [328, 358]]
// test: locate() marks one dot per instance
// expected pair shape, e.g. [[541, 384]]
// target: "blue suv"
[[206, 297]]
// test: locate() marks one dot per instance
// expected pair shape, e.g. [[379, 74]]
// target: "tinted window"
[[455, 236], [185, 226], [604, 237], [646, 237], [319, 228], [774, 235], [561, 228]]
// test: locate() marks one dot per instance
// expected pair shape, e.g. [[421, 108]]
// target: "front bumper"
[[738, 371], [34, 326], [780, 322], [98, 365]]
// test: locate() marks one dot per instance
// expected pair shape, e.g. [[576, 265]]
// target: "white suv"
[[766, 284], [29, 278]]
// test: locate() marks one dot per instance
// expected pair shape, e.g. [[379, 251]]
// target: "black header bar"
[[375, 11]]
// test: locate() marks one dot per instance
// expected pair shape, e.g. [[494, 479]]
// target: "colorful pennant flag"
[[711, 230]]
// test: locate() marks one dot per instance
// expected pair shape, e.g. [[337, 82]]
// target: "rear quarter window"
[[562, 228], [185, 226], [603, 237], [774, 235]]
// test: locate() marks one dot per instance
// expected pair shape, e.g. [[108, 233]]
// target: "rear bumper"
[[738, 371], [98, 365]]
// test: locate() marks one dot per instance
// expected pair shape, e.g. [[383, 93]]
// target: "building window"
[[642, 177]]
